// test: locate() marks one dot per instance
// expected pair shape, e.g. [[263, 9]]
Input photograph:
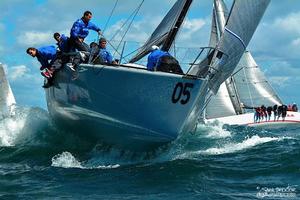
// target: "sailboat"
[[246, 86], [7, 99], [129, 107]]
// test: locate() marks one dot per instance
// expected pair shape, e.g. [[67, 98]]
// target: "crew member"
[[46, 56], [294, 107], [275, 111], [269, 112], [284, 111], [263, 112], [104, 55], [159, 60], [280, 109], [62, 42], [80, 31]]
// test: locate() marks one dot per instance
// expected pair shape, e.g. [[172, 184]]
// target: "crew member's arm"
[[109, 57], [92, 26]]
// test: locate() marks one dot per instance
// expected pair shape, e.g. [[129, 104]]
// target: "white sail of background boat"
[[134, 108], [247, 85], [7, 99]]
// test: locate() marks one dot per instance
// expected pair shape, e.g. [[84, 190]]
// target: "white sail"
[[252, 86], [214, 37], [221, 13], [219, 105], [243, 20], [7, 99]]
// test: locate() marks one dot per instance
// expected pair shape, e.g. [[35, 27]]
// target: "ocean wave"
[[246, 144], [11, 127], [24, 121], [231, 147], [213, 130]]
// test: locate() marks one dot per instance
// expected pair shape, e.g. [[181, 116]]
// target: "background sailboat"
[[246, 86], [7, 99]]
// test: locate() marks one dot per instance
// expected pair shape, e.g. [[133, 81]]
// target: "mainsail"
[[7, 99], [244, 17], [167, 30], [252, 86]]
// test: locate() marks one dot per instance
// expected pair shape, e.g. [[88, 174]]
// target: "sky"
[[24, 23]]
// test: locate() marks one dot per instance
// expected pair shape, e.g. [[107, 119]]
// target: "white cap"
[[154, 47]]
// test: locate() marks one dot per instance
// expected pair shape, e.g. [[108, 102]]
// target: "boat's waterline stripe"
[[236, 36]]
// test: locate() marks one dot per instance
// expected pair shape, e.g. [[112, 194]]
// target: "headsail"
[[167, 30], [221, 13], [225, 102], [252, 86], [7, 99], [220, 105], [244, 17]]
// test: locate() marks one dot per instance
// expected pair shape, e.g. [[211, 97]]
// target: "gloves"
[[100, 33]]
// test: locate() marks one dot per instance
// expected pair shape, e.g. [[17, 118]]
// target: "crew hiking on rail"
[[74, 51], [263, 113]]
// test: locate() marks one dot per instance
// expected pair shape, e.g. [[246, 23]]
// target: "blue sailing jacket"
[[81, 29], [105, 56], [154, 57], [46, 53], [63, 44]]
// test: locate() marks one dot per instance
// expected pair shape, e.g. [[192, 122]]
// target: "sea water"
[[39, 161]]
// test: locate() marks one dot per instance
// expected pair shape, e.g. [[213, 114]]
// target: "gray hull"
[[127, 107]]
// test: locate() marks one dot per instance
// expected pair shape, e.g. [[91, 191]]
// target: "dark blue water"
[[38, 161]]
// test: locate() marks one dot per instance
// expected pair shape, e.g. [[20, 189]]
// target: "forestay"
[[243, 20]]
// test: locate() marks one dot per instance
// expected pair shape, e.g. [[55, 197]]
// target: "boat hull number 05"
[[182, 92]]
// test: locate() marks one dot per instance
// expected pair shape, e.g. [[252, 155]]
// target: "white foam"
[[10, 128], [213, 130], [67, 160], [246, 144], [231, 147]]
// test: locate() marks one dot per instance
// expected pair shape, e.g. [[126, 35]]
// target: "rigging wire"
[[111, 13], [131, 15], [134, 15], [137, 11]]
